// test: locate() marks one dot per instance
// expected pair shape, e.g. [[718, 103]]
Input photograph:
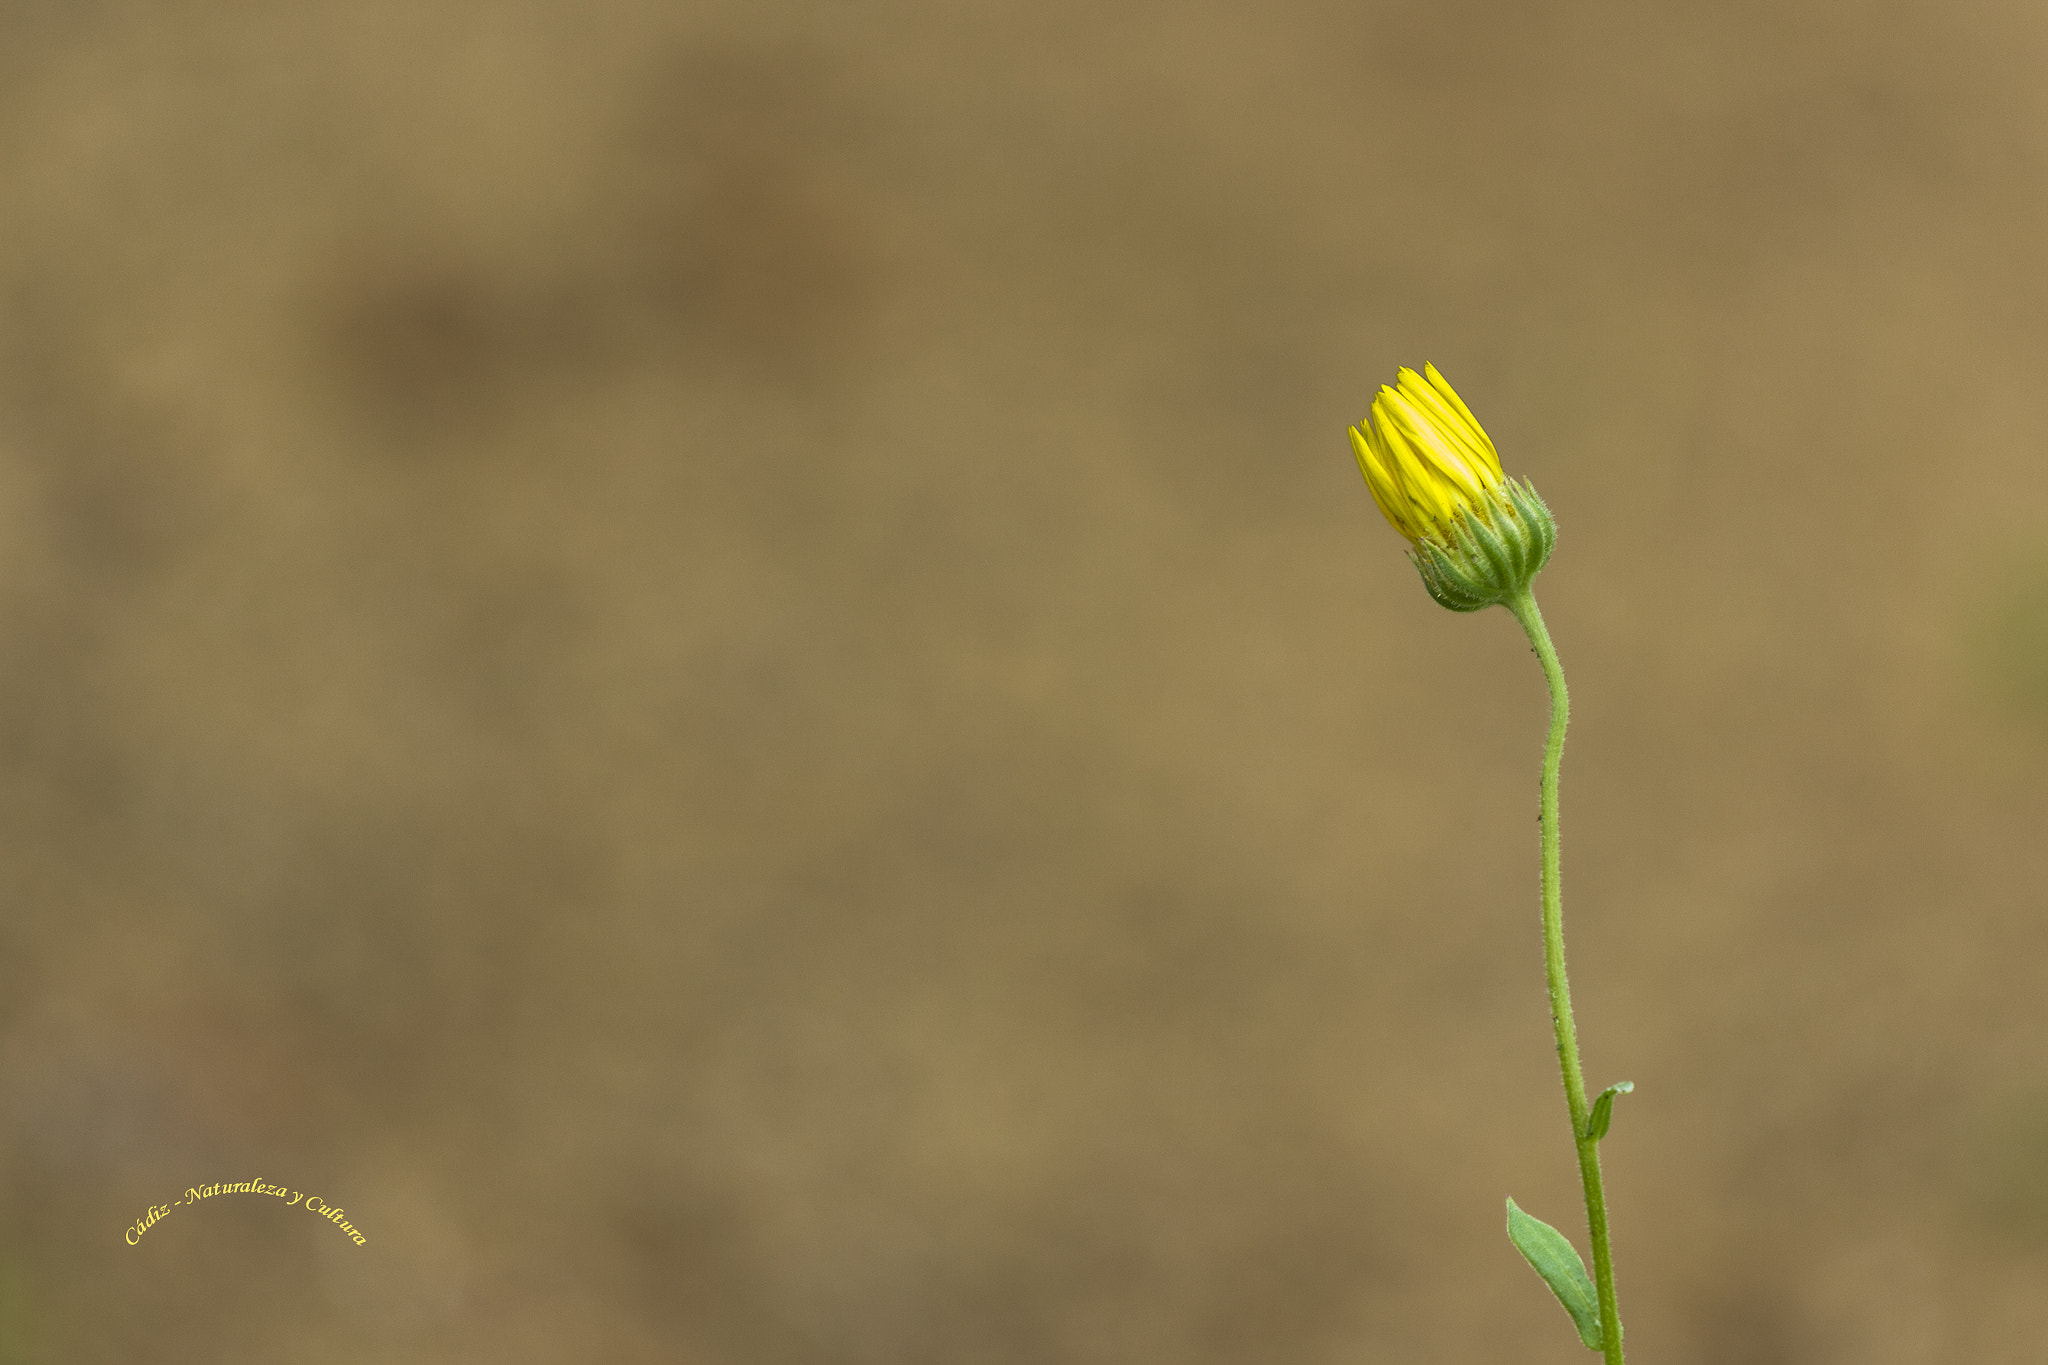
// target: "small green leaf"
[[1603, 1109], [1551, 1255]]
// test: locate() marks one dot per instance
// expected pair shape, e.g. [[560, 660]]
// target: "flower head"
[[1479, 536]]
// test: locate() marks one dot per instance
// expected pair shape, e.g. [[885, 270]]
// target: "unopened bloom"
[[1479, 536]]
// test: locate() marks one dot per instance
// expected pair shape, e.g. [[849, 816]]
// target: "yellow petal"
[[1432, 499], [1443, 386], [1386, 495], [1411, 514], [1456, 471], [1425, 409]]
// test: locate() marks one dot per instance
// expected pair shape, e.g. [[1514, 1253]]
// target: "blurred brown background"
[[723, 666]]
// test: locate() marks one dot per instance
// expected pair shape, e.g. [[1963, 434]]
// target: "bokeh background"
[[722, 666]]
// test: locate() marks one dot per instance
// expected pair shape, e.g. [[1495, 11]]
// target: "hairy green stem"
[[1523, 605]]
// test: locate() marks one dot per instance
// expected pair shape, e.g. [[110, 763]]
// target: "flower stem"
[[1523, 605]]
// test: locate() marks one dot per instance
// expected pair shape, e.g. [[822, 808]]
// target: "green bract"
[[1492, 551]]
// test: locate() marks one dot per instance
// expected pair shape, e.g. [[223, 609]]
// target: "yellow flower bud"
[[1479, 536]]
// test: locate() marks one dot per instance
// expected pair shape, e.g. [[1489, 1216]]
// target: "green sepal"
[[1534, 513], [1551, 1255], [1490, 552], [1447, 581], [1603, 1109], [1477, 537]]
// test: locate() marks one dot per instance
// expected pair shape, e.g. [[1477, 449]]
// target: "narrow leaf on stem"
[[1603, 1109], [1551, 1255]]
